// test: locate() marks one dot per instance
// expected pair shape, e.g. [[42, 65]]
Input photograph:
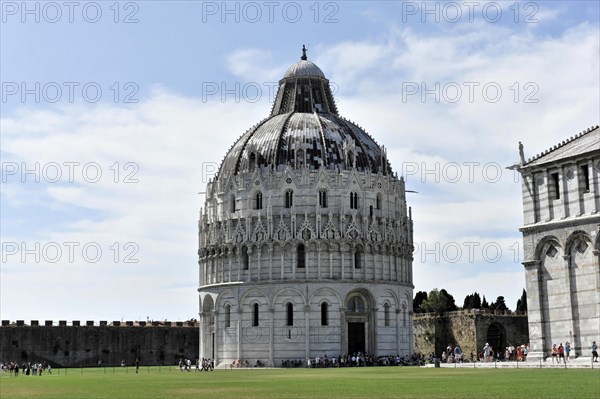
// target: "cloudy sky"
[[114, 116]]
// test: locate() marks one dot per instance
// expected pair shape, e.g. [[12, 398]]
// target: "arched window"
[[357, 259], [258, 201], [232, 203], [228, 316], [290, 314], [353, 200], [289, 198], [378, 201], [252, 162], [324, 314], [386, 314], [245, 258], [255, 315], [323, 198], [301, 257]]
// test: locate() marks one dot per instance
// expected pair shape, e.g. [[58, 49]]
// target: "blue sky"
[[123, 112]]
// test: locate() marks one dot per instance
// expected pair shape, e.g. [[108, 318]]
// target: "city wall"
[[77, 344], [471, 329]]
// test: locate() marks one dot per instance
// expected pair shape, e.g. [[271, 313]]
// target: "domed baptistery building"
[[305, 239]]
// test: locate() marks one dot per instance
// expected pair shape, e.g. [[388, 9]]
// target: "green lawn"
[[372, 382]]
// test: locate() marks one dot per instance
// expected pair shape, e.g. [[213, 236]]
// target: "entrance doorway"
[[496, 337], [356, 338]]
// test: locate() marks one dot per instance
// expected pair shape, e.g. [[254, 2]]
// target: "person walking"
[[594, 352], [561, 353], [554, 353], [567, 351]]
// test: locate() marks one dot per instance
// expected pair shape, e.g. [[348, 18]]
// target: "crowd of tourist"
[[357, 359], [26, 368], [454, 354], [201, 364]]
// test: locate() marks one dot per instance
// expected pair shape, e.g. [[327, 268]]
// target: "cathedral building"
[[305, 239], [561, 205]]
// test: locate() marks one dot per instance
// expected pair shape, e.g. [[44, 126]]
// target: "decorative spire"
[[303, 53]]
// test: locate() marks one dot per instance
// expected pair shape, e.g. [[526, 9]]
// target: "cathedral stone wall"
[[561, 204], [83, 345]]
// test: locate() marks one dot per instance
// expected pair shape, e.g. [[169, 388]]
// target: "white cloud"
[[175, 143]]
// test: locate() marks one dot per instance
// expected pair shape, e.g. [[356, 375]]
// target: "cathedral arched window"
[[245, 258], [289, 198], [301, 256], [324, 314], [353, 200], [228, 316], [255, 315], [378, 201], [258, 200], [232, 203], [290, 314], [323, 198], [386, 314]]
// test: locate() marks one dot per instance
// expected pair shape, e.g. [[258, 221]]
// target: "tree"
[[420, 297], [499, 304], [484, 303], [438, 301], [449, 299], [522, 303], [472, 301]]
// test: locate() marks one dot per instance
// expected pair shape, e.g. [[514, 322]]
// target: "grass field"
[[372, 382]]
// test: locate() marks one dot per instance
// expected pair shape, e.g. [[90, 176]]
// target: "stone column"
[[239, 334], [229, 268], [411, 338], [282, 263], [294, 263], [249, 271], [307, 331], [398, 273], [564, 189], [593, 188], [271, 336], [271, 261], [318, 260], [398, 332], [550, 215], [535, 314], [597, 274], [259, 256], [215, 354], [573, 312], [201, 271], [343, 331], [202, 333], [330, 263], [342, 260]]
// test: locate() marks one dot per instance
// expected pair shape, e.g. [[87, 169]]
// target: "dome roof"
[[304, 130], [300, 139], [304, 68]]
